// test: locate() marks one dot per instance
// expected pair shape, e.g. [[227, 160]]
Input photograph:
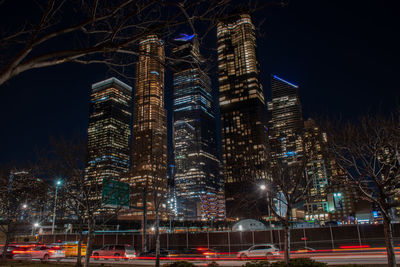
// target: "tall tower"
[[109, 132], [243, 114], [285, 121], [317, 170], [149, 142], [197, 177]]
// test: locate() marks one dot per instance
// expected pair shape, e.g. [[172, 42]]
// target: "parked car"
[[44, 253], [115, 252], [260, 250]]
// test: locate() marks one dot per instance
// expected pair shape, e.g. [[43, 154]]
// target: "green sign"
[[115, 194]]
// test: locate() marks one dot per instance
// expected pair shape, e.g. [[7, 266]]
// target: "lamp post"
[[58, 183], [35, 225], [23, 214], [263, 187]]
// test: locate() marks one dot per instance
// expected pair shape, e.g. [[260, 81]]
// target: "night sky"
[[342, 54]]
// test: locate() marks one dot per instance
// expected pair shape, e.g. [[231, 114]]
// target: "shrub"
[[179, 264], [257, 264], [350, 265], [300, 262], [213, 264]]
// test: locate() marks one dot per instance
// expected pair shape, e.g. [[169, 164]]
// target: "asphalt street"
[[370, 258]]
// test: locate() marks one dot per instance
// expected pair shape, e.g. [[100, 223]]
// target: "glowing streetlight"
[[263, 187], [58, 183], [34, 226], [24, 206]]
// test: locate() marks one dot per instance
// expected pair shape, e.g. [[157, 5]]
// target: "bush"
[[257, 264], [300, 262], [350, 265], [213, 264], [179, 264]]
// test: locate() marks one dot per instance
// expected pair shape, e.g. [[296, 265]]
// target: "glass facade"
[[243, 114], [285, 121], [149, 141], [197, 174], [317, 170], [108, 132]]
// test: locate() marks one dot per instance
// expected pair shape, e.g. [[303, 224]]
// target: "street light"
[[263, 187], [58, 183], [24, 213], [35, 225]]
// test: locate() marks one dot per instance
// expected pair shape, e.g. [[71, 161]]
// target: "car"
[[152, 253], [71, 248], [13, 251], [8, 252], [199, 252], [304, 249], [259, 250], [44, 253], [115, 252], [21, 253]]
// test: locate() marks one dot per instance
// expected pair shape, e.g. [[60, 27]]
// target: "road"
[[356, 257]]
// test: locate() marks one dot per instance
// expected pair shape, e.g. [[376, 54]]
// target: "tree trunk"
[[286, 230], [387, 226], [79, 256], [89, 244], [5, 247], [157, 239]]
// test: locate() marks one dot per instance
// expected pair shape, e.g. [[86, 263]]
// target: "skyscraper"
[[197, 177], [317, 171], [285, 121], [109, 132], [149, 142], [243, 114]]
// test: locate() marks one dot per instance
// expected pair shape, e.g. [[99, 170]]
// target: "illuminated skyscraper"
[[317, 170], [328, 199], [243, 114], [285, 121], [149, 141], [109, 131], [197, 178]]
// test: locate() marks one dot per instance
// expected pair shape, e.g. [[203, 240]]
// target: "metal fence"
[[228, 241]]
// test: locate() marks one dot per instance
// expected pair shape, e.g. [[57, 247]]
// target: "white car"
[[260, 250], [44, 253]]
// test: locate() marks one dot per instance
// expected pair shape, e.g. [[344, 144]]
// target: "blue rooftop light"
[[184, 37], [290, 153], [282, 80]]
